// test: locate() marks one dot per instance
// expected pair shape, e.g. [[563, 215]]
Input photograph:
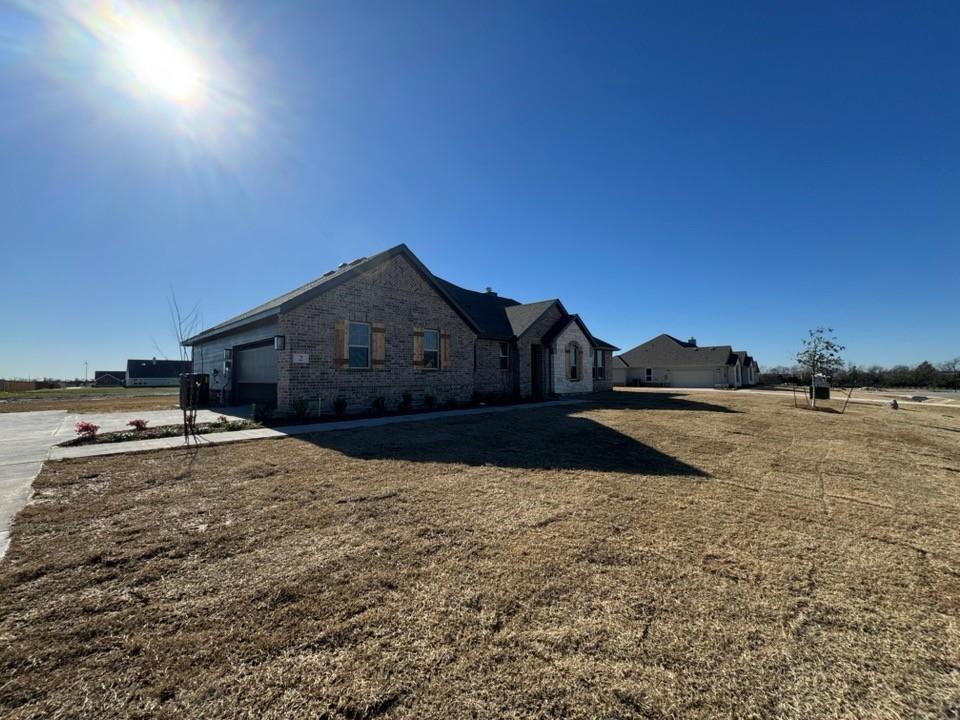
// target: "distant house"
[[666, 361], [155, 373], [109, 378], [749, 369], [386, 327]]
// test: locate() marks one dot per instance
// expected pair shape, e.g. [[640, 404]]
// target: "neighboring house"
[[155, 373], [749, 370], [109, 378], [385, 326], [620, 368], [666, 361]]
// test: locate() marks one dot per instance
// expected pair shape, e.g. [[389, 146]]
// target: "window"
[[649, 375], [431, 349], [359, 345], [598, 366], [504, 356], [574, 362]]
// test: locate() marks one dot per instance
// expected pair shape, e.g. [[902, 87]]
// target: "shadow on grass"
[[540, 439], [673, 400]]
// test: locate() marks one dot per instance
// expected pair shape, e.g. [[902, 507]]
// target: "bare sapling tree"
[[185, 325], [820, 356]]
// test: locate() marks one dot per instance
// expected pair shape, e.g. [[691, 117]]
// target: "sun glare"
[[160, 64]]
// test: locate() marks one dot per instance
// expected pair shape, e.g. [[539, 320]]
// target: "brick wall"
[[394, 294], [489, 377]]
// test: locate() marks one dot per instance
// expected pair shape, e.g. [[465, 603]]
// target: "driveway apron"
[[25, 439]]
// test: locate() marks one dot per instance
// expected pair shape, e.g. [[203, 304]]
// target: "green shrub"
[[301, 408], [339, 406], [406, 401], [429, 400], [378, 405]]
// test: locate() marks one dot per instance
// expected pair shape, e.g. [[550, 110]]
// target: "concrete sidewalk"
[[839, 395], [133, 446]]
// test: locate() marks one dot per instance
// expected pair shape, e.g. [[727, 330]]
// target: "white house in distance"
[[666, 361]]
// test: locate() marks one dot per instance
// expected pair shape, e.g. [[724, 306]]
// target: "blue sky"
[[739, 172]]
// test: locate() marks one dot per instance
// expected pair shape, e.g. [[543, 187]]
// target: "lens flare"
[[160, 64]]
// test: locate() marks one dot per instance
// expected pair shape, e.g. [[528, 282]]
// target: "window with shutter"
[[445, 351], [431, 349], [418, 347], [358, 350], [340, 344], [378, 347]]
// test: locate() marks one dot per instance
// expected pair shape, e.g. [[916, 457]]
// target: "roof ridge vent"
[[358, 260], [342, 265]]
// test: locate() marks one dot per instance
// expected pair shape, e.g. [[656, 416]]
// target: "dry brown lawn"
[[650, 555], [80, 401]]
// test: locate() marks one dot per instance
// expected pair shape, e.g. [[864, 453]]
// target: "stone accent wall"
[[561, 384], [489, 378], [393, 294], [530, 337], [607, 382]]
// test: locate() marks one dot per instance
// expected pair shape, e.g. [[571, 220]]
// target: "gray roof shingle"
[[666, 351], [491, 316], [521, 317]]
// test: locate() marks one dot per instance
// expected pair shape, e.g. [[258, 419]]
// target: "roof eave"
[[228, 328]]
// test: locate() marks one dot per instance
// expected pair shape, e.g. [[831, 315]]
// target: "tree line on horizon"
[[926, 375]]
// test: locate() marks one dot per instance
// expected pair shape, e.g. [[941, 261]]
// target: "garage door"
[[693, 378], [256, 373]]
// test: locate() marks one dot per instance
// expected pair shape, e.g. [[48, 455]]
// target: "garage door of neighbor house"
[[693, 378], [256, 373]]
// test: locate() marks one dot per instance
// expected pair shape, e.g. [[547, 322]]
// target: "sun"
[[161, 65]]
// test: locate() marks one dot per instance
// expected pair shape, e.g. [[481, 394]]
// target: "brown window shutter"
[[568, 364], [444, 351], [340, 344], [418, 347], [580, 365], [378, 342]]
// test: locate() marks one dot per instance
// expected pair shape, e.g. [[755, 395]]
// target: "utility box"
[[820, 389], [199, 385]]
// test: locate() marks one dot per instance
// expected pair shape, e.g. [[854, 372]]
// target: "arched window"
[[574, 361]]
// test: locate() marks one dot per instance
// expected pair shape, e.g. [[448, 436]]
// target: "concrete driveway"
[[26, 439]]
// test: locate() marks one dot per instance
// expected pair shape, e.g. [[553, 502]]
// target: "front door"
[[536, 370]]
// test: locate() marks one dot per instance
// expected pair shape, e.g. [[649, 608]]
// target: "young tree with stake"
[[820, 356]]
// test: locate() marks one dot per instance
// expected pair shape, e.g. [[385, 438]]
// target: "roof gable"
[[329, 280], [564, 322], [523, 317]]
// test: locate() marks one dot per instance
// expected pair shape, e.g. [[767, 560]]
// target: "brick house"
[[385, 326]]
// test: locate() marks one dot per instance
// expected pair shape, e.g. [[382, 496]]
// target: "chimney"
[[692, 341], [489, 291]]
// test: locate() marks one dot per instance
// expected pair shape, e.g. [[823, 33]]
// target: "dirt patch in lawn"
[[652, 555]]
